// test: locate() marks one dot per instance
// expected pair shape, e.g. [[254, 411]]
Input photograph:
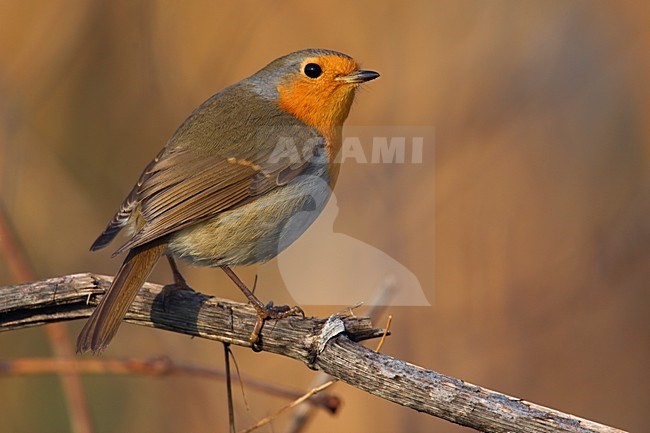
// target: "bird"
[[235, 171]]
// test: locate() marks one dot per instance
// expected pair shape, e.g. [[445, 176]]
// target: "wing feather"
[[208, 167]]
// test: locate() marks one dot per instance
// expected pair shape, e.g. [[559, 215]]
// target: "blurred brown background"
[[535, 205]]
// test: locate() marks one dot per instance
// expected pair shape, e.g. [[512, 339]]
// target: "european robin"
[[222, 189]]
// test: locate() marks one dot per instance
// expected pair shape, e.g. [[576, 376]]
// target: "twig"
[[231, 406], [161, 366], [303, 413], [383, 337], [268, 419], [330, 345]]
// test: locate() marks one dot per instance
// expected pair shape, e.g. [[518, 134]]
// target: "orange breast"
[[322, 103], [321, 106]]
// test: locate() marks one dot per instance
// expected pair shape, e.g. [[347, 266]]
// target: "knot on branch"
[[331, 328]]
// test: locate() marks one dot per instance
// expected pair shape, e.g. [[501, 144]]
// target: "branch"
[[330, 345], [161, 366]]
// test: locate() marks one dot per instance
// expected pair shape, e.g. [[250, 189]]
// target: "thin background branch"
[[73, 391], [160, 367]]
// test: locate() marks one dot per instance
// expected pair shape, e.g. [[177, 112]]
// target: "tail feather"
[[107, 317]]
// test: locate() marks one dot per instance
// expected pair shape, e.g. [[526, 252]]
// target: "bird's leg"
[[179, 285], [264, 312]]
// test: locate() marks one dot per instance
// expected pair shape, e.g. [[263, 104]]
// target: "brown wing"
[[128, 206], [223, 155], [184, 187]]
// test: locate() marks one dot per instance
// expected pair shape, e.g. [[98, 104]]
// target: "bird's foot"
[[264, 312], [171, 291], [179, 285], [270, 311]]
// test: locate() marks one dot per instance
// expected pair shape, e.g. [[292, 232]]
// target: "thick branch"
[[325, 344]]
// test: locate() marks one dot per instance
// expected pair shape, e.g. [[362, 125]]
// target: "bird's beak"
[[358, 77]]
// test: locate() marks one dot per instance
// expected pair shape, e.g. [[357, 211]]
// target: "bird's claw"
[[170, 291], [270, 311]]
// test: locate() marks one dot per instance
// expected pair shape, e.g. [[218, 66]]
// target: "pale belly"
[[255, 232]]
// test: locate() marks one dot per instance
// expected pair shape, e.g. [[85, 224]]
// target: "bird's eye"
[[312, 70]]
